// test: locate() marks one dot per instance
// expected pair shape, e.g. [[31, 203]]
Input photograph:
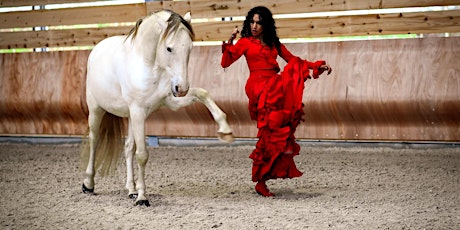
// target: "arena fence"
[[395, 76]]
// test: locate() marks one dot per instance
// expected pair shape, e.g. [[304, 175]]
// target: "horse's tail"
[[109, 144]]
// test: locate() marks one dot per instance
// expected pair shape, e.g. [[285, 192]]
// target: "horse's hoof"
[[226, 137], [143, 203], [87, 190], [133, 196]]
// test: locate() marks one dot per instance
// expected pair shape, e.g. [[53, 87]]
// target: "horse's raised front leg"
[[94, 122], [129, 156], [201, 95], [137, 123]]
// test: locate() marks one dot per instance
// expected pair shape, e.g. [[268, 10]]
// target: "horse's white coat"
[[134, 76]]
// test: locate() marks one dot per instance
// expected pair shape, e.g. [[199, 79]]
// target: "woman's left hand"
[[234, 33], [326, 68]]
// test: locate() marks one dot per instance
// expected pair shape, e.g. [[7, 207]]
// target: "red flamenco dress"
[[275, 102]]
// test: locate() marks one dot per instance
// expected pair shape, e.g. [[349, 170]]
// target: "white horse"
[[132, 76]]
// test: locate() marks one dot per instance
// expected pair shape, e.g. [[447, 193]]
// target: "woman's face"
[[256, 27]]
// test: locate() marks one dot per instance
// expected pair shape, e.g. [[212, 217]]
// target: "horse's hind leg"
[[94, 122], [201, 95], [129, 155]]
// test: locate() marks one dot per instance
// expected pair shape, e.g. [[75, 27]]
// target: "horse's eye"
[[169, 49]]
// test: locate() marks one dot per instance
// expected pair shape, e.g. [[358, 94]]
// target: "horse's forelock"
[[174, 21]]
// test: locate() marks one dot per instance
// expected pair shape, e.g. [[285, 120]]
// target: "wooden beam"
[[229, 8], [274, 5], [73, 16], [14, 3], [59, 38], [384, 24], [198, 8]]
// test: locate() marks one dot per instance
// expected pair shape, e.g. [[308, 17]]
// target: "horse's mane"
[[174, 21], [133, 31]]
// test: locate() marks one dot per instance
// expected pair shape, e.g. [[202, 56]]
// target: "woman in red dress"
[[275, 100]]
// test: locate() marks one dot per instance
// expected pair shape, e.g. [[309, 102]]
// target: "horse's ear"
[[188, 17]]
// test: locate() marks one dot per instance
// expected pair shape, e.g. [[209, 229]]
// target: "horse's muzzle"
[[179, 92]]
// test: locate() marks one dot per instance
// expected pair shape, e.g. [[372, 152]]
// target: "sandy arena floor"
[[343, 187]]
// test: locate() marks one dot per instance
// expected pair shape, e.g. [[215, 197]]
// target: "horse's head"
[[174, 49]]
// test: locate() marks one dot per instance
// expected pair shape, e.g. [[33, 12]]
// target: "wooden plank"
[[199, 9], [41, 93], [229, 8], [275, 5], [382, 4], [385, 24], [399, 89], [73, 16], [59, 38], [180, 7], [14, 3]]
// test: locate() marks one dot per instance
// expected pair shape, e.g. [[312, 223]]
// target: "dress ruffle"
[[275, 102], [278, 111]]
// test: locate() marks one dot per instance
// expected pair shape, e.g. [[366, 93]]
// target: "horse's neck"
[[145, 43]]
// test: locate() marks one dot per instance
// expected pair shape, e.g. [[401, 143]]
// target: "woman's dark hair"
[[269, 36]]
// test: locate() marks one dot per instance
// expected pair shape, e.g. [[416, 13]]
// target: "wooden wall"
[[393, 89], [375, 93]]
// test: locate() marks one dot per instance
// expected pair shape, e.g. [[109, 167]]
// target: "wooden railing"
[[300, 27], [394, 89]]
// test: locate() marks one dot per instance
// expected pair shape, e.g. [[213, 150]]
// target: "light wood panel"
[[14, 3], [199, 9], [59, 38], [404, 90], [385, 24], [228, 8], [73, 16], [379, 90], [40, 93], [400, 89], [382, 24]]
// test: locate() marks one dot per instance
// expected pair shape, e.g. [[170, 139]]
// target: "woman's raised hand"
[[234, 33]]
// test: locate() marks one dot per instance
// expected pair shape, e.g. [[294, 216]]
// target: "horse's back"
[[106, 50], [105, 58]]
